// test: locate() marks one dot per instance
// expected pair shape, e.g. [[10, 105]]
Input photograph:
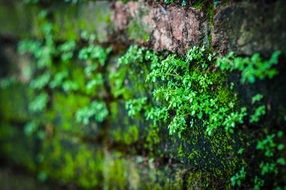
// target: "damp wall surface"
[[79, 110]]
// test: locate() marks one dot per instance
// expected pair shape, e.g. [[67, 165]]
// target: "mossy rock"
[[14, 103]]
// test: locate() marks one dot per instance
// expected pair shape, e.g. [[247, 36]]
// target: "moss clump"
[[190, 97], [15, 110], [127, 136], [115, 176], [184, 90], [16, 148], [137, 31], [70, 162]]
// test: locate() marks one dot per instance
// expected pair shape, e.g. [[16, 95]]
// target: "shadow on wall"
[[4, 64]]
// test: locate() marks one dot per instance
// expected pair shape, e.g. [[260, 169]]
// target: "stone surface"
[[169, 28], [10, 180], [241, 27], [21, 20], [93, 17], [250, 27], [16, 20]]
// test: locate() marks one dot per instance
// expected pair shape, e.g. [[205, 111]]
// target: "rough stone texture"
[[11, 180], [241, 27], [249, 27], [19, 20], [171, 28], [15, 20], [90, 16]]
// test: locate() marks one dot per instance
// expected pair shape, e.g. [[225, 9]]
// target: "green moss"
[[187, 88], [16, 148], [68, 161], [14, 103], [115, 176], [65, 120], [69, 22], [252, 68], [20, 19], [137, 31], [152, 138], [128, 136], [201, 180]]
